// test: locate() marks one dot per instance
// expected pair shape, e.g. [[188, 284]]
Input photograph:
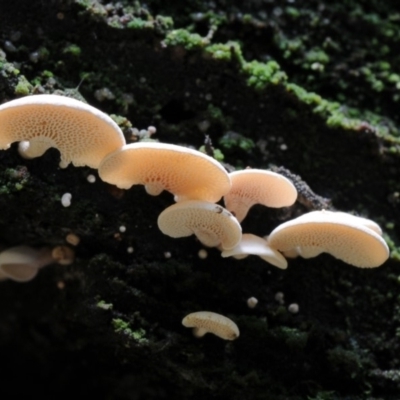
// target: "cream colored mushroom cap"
[[209, 322], [18, 263], [255, 245], [212, 224], [368, 223], [257, 186], [83, 134], [188, 174], [324, 231]]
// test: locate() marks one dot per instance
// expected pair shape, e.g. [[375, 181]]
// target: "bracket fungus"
[[256, 186], [344, 236], [22, 263], [204, 322], [255, 245], [83, 134], [188, 174], [212, 224]]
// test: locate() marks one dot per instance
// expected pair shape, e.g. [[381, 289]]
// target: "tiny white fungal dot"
[[283, 147], [122, 228], [167, 254], [91, 178], [151, 129], [130, 249], [203, 254], [293, 308], [66, 199], [252, 302]]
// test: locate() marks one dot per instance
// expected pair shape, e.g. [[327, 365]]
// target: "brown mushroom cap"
[[256, 186], [255, 245], [63, 255], [325, 231], [83, 134], [211, 223], [187, 173], [204, 322]]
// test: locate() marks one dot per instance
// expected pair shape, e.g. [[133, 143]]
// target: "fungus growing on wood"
[[212, 224], [204, 322], [187, 173], [83, 134], [22, 263], [256, 186], [255, 245], [339, 234], [63, 255]]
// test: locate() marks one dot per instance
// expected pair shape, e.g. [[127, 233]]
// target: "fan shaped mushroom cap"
[[83, 134], [204, 322], [211, 223], [368, 223], [21, 263], [255, 245], [256, 186], [325, 231], [187, 173]]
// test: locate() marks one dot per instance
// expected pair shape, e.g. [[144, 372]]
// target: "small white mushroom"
[[255, 245], [256, 186], [204, 322], [252, 302], [22, 263], [346, 237], [66, 199], [293, 308], [83, 134], [211, 223], [188, 174]]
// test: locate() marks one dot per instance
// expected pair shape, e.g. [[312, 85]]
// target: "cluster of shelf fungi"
[[85, 136]]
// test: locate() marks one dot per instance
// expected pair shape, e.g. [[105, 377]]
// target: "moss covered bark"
[[311, 89]]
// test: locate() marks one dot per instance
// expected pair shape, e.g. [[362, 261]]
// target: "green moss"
[[47, 74], [72, 49], [182, 37], [260, 74], [104, 306], [23, 87], [220, 51], [234, 140], [121, 326], [217, 154], [138, 23]]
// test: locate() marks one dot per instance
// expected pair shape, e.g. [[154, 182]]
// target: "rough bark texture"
[[245, 76]]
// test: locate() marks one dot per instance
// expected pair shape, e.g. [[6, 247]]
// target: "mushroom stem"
[[199, 332]]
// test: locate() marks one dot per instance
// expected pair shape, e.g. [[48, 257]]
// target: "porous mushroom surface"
[[212, 224], [204, 322], [255, 245], [347, 239], [83, 134], [187, 173], [257, 186]]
